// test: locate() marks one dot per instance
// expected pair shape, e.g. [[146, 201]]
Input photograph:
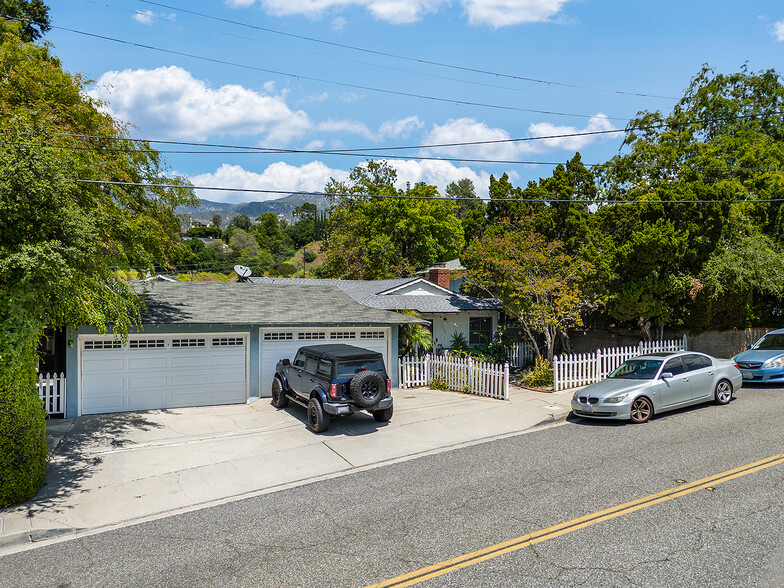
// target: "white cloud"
[[496, 13], [557, 141], [338, 23], [501, 13], [347, 126], [313, 176], [778, 30], [310, 177], [170, 101], [439, 174], [144, 16], [463, 130], [400, 128]]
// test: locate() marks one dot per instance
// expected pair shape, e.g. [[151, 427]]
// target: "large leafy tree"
[[721, 143], [376, 231], [62, 238], [537, 280], [32, 14]]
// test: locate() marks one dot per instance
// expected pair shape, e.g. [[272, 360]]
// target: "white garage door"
[[277, 344], [151, 372]]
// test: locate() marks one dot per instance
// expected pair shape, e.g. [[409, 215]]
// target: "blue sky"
[[241, 73]]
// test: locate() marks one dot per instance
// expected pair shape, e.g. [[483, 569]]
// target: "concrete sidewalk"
[[118, 469]]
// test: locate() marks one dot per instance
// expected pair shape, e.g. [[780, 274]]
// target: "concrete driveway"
[[118, 469]]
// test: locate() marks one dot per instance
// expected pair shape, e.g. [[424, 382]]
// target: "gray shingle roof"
[[259, 304], [367, 293]]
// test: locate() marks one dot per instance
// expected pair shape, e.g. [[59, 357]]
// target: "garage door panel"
[[169, 376], [103, 364], [144, 381], [147, 363]]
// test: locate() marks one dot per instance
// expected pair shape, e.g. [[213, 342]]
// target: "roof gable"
[[417, 287]]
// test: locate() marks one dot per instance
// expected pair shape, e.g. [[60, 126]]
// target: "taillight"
[[389, 386], [333, 390]]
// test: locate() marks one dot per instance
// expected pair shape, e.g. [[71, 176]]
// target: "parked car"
[[657, 382], [334, 380], [764, 360]]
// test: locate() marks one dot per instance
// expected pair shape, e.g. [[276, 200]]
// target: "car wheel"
[[382, 416], [367, 388], [641, 410], [279, 398], [723, 393], [318, 420]]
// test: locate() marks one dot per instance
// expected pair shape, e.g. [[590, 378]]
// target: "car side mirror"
[[285, 362], [750, 346], [666, 376]]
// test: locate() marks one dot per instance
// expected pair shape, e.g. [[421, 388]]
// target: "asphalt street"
[[375, 525]]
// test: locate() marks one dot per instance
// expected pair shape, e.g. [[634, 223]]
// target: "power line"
[[440, 198], [403, 57], [334, 57], [332, 82]]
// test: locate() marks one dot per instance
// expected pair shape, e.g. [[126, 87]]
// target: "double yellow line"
[[523, 541]]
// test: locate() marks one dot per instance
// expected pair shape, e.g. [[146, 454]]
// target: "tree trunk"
[[645, 328]]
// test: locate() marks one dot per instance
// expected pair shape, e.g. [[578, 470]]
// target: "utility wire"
[[403, 57], [332, 82], [441, 198]]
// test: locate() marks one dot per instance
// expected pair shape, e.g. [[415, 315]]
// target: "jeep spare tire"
[[367, 388]]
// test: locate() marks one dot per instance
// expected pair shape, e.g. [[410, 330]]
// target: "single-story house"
[[205, 344], [448, 312]]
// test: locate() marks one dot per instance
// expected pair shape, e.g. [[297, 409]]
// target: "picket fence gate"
[[521, 354], [51, 391], [461, 374], [581, 369]]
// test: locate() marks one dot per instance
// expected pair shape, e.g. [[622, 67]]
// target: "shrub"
[[541, 374], [23, 450], [309, 256]]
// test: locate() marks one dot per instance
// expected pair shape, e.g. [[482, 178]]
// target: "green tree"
[[470, 209], [537, 281], [722, 142], [61, 238], [374, 237], [33, 15]]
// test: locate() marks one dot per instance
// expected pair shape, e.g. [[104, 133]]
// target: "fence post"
[[506, 381], [685, 343], [427, 369]]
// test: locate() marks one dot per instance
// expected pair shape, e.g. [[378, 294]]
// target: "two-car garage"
[[203, 369]]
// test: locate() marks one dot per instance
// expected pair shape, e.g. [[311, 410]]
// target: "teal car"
[[764, 360]]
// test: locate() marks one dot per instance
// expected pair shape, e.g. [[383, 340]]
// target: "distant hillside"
[[281, 206]]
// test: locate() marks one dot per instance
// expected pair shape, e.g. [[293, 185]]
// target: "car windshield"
[[770, 342], [349, 368], [637, 369]]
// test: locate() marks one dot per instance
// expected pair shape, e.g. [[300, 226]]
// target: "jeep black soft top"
[[341, 352]]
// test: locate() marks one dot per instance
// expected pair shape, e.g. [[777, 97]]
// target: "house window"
[[480, 330], [278, 336]]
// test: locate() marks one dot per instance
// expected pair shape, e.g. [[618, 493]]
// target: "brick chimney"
[[439, 276]]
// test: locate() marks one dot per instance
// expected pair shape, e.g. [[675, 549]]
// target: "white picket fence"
[[581, 369], [461, 374], [51, 390], [521, 354]]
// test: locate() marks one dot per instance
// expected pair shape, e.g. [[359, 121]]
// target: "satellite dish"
[[242, 271]]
